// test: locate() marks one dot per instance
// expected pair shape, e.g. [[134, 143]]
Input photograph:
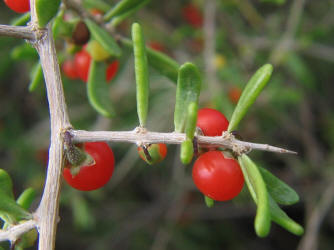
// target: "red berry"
[[211, 122], [82, 61], [94, 176], [69, 69], [217, 177], [111, 70], [157, 153], [192, 15], [234, 94], [156, 46], [20, 6]]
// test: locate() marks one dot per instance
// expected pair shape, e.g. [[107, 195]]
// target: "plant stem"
[[148, 137]]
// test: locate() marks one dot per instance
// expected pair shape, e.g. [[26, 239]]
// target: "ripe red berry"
[[112, 70], [94, 176], [234, 94], [217, 177], [211, 122], [157, 152], [20, 6], [192, 15], [156, 46], [82, 61], [69, 69]]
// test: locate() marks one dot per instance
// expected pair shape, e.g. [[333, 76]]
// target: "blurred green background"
[[158, 207]]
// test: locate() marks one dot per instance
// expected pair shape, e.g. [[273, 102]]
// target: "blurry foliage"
[[159, 206]]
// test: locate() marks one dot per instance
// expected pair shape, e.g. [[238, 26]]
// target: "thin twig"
[[14, 232], [147, 137], [17, 32]]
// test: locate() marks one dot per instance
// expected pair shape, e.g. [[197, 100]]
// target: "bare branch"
[[138, 137], [17, 32], [14, 232], [47, 212]]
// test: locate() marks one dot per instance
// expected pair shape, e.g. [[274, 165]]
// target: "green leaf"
[[258, 191], [96, 4], [10, 209], [124, 9], [36, 77], [98, 89], [249, 94], [104, 38], [141, 70], [208, 201], [24, 52], [191, 120], [6, 184], [21, 20], [187, 91], [187, 151], [162, 63], [61, 28], [282, 219], [26, 198], [280, 191], [46, 10]]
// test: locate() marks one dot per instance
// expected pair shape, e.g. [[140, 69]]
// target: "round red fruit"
[[19, 6], [69, 69], [82, 61], [94, 176], [192, 15], [234, 94], [155, 153], [211, 122], [217, 177], [111, 70]]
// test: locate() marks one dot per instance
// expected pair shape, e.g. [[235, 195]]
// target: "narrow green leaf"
[[191, 120], [282, 219], [249, 94], [9, 207], [141, 70], [26, 198], [96, 4], [62, 28], [162, 63], [187, 151], [280, 191], [187, 90], [36, 77], [46, 10], [6, 184], [24, 52], [21, 20], [98, 89], [208, 201], [258, 191], [124, 7], [104, 38]]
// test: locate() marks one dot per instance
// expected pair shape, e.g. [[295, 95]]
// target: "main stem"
[[47, 212]]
